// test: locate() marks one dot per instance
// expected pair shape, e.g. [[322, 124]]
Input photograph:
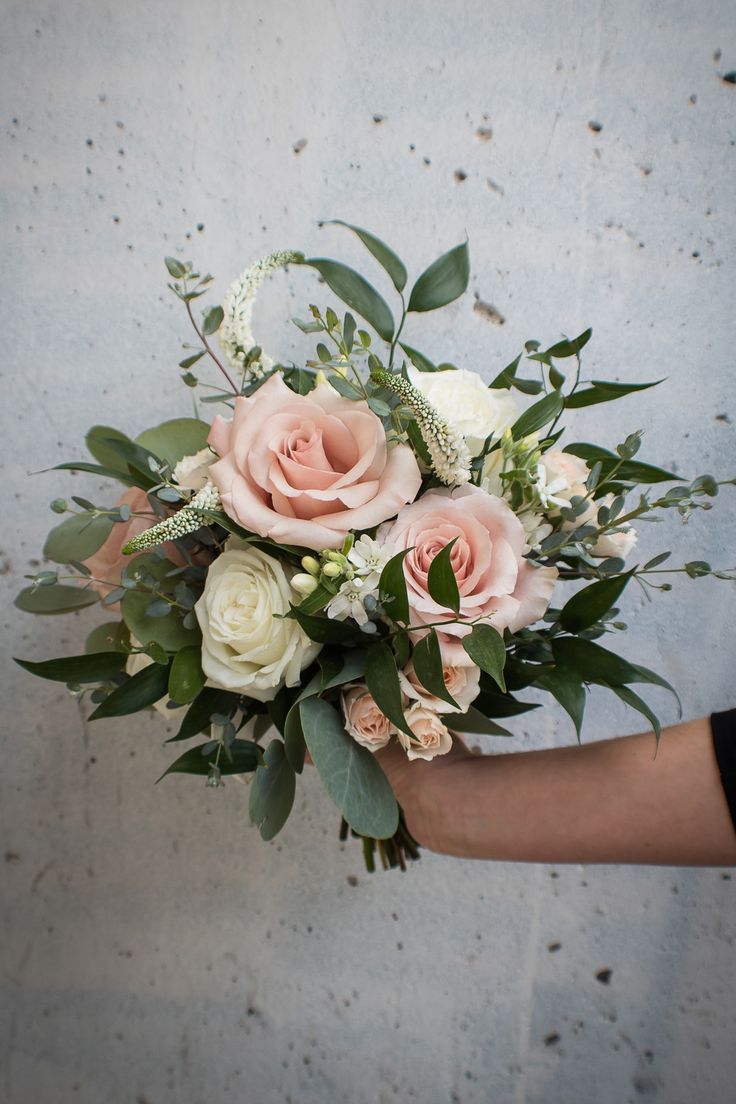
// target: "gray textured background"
[[155, 949]]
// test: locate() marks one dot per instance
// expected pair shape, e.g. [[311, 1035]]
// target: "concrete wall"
[[155, 949]]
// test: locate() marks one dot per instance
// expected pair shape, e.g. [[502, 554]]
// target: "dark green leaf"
[[354, 290], [698, 568], [538, 415], [272, 792], [97, 667], [190, 361], [501, 705], [627, 695], [113, 636], [475, 721], [567, 688], [106, 473], [55, 599], [596, 664], [385, 256], [294, 745], [589, 604], [419, 360], [382, 680], [393, 584], [186, 678], [208, 702], [95, 441], [444, 280], [324, 630], [485, 646], [569, 348], [505, 378], [212, 320], [603, 391], [244, 757], [441, 581], [350, 773], [174, 439], [428, 667], [137, 692]]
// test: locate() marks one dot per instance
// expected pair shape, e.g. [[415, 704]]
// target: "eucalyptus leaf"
[[445, 280], [95, 440], [167, 631], [77, 537], [350, 773], [113, 636], [55, 599], [272, 791], [174, 439], [212, 320], [383, 254], [357, 293]]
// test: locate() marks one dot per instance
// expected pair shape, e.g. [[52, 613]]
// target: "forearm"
[[608, 802]]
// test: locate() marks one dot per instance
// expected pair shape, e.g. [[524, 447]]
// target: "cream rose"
[[364, 721], [431, 737], [495, 582], [462, 681], [192, 472], [247, 644], [308, 469], [467, 403]]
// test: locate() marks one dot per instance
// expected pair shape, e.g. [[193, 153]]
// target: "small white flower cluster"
[[447, 448], [235, 333], [360, 569], [184, 521]]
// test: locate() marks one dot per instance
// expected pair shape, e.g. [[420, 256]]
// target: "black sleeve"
[[723, 727]]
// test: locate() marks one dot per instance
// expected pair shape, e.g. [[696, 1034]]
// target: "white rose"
[[467, 404], [247, 644], [462, 682], [364, 721], [192, 471], [430, 738]]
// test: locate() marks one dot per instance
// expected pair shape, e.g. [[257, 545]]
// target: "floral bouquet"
[[364, 548]]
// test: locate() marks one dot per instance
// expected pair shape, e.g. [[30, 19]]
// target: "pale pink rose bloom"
[[462, 681], [308, 469], [495, 582], [431, 737], [364, 721], [107, 563]]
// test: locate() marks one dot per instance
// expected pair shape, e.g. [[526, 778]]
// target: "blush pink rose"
[[308, 469], [495, 582]]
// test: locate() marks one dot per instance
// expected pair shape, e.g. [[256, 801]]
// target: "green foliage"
[[77, 537], [323, 630], [350, 773], [441, 581], [55, 599], [593, 663], [476, 722], [272, 791], [445, 280], [392, 588], [126, 478], [601, 391], [97, 667], [103, 453], [354, 290], [212, 320], [167, 631], [485, 646], [382, 679], [137, 692], [428, 667], [592, 602], [385, 256], [538, 415], [242, 758], [186, 678], [419, 360], [113, 636], [176, 438], [567, 688], [208, 703], [568, 348]]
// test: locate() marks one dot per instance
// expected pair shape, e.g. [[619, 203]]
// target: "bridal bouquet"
[[364, 548]]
